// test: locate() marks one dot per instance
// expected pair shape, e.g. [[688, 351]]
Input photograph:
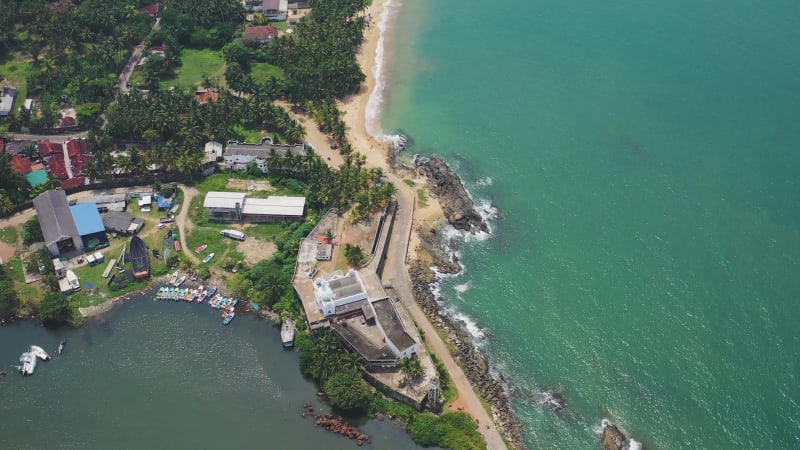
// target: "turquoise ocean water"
[[645, 156]]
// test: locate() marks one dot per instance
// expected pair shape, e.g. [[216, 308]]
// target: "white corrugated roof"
[[223, 199], [275, 206]]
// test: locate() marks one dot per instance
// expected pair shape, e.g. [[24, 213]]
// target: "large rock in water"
[[459, 209], [613, 439]]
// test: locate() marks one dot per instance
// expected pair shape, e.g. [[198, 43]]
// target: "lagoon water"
[[645, 157], [164, 375]]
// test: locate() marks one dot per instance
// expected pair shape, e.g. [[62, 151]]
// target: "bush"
[[55, 308], [32, 231], [355, 255], [347, 391], [455, 430]]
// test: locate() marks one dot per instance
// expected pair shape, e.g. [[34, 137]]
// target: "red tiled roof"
[[208, 96], [77, 146], [37, 166], [47, 148], [57, 167], [151, 10], [73, 182], [60, 5], [78, 163], [68, 122], [20, 164], [261, 33]]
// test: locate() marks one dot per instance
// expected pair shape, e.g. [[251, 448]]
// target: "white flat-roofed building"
[[224, 206], [275, 208], [238, 155], [145, 202], [338, 290]]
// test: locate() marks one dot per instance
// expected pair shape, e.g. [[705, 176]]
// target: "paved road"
[[41, 137], [396, 274], [136, 55]]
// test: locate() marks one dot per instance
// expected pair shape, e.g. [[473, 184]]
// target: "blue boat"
[[228, 318]]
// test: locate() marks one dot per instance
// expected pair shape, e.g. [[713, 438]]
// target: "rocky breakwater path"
[[459, 210]]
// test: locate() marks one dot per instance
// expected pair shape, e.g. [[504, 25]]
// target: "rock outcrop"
[[613, 438], [446, 186], [429, 243]]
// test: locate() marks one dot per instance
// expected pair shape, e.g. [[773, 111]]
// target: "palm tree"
[[6, 205]]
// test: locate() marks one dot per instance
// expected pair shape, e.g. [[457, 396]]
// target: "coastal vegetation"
[[9, 299]]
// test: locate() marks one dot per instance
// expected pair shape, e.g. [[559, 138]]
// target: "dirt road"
[[188, 194]]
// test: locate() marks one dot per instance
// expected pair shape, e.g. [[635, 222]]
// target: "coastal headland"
[[412, 250]]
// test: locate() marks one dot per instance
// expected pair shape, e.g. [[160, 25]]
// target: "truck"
[[234, 234]]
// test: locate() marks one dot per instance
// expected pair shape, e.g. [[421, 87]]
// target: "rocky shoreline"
[[459, 210]]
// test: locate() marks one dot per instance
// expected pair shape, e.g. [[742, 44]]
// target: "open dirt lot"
[[249, 185], [255, 250]]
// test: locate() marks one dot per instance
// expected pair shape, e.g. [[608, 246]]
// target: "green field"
[[262, 72], [195, 63], [16, 70], [8, 235]]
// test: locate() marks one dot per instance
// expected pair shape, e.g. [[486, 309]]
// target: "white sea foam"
[[477, 333], [461, 288], [375, 100], [485, 181]]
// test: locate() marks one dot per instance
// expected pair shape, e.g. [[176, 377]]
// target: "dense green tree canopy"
[[348, 391], [54, 308]]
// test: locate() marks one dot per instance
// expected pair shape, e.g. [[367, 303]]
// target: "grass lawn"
[[262, 71], [248, 135], [8, 235], [14, 270], [195, 63], [16, 70]]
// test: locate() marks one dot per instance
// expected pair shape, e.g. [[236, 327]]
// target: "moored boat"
[[28, 361], [39, 352], [180, 280], [287, 333], [202, 248], [208, 258], [139, 258], [228, 318], [61, 347], [173, 278]]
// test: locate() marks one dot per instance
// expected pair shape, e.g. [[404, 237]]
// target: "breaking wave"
[[375, 100], [485, 181]]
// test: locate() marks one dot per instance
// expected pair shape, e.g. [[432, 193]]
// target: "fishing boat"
[[211, 292], [28, 361], [180, 280], [287, 333], [208, 258], [228, 318], [39, 352], [202, 248], [61, 347], [139, 258], [195, 276], [173, 278]]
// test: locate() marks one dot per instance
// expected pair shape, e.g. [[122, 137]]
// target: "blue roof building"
[[90, 225], [163, 203]]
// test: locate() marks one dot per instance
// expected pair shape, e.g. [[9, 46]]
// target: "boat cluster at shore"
[[198, 295], [29, 359]]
